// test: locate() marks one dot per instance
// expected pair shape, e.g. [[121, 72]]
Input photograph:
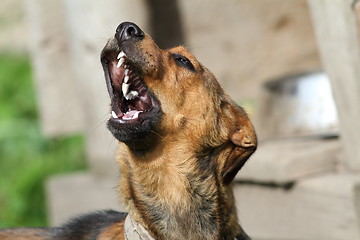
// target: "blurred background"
[[293, 65]]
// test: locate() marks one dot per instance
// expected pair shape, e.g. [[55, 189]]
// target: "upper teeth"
[[121, 58], [125, 85], [125, 88], [121, 54], [131, 95], [120, 62]]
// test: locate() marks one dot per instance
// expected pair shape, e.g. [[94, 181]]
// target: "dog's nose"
[[128, 30]]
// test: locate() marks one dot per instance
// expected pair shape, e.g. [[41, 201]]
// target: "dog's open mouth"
[[131, 100], [134, 108]]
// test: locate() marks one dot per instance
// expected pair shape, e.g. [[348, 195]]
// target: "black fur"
[[88, 227], [85, 227]]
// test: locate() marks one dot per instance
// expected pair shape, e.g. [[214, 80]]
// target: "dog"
[[182, 140]]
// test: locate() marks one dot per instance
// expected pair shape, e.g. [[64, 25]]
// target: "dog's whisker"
[[100, 121], [156, 133]]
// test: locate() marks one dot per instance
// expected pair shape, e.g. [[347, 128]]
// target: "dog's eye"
[[183, 62]]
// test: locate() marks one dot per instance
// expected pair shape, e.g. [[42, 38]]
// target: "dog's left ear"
[[244, 143]]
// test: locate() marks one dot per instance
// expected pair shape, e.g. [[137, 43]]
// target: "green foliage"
[[27, 158]]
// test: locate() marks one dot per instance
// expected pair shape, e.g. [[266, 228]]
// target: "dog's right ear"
[[244, 143]]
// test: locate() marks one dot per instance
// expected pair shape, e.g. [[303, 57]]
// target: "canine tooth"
[[120, 62], [113, 114], [126, 79], [125, 89], [121, 54]]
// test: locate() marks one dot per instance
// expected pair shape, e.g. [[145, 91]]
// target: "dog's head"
[[163, 95]]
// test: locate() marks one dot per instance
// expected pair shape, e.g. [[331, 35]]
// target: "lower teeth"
[[113, 114]]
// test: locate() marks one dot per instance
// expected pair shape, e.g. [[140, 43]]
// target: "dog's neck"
[[177, 198]]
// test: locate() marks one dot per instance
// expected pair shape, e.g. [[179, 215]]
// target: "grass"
[[27, 158]]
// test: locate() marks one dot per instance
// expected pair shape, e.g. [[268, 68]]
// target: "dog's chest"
[[193, 215]]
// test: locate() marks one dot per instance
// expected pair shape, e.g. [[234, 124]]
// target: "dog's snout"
[[128, 30]]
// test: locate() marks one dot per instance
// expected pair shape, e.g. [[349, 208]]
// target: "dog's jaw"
[[135, 110]]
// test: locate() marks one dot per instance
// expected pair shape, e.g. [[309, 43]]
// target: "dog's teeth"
[[120, 62], [121, 54], [126, 72], [125, 89], [113, 114], [126, 79], [136, 115], [134, 93], [131, 95]]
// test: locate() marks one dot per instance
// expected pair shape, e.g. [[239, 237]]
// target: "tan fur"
[[114, 232], [176, 179], [22, 234], [197, 115]]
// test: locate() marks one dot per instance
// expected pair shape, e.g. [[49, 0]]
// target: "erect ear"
[[244, 143]]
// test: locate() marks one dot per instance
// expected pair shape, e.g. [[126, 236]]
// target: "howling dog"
[[182, 140]]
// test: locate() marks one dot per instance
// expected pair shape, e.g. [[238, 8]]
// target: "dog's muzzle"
[[135, 110]]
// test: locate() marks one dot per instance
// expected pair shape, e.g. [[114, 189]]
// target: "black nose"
[[128, 30]]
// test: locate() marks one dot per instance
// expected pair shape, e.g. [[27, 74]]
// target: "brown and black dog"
[[182, 142]]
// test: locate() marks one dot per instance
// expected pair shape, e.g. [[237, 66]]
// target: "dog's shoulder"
[[102, 225], [97, 225]]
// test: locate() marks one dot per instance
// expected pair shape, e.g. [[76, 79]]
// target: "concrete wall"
[[12, 26], [248, 42]]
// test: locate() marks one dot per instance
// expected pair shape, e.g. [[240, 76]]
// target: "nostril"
[[134, 31], [127, 31], [131, 31]]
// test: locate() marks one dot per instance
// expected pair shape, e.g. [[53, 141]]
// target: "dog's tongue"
[[131, 114]]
